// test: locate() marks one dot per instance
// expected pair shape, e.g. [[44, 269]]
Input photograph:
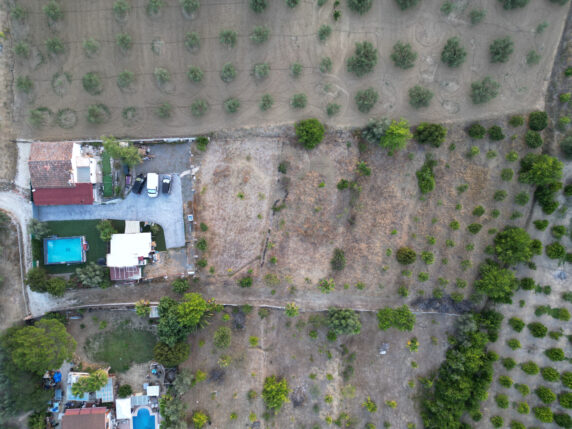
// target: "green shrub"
[[366, 99], [518, 425], [195, 74], [476, 131], [566, 147], [125, 79], [266, 102], [537, 121], [53, 11], [529, 367], [164, 110], [501, 49], [260, 71], [541, 225], [453, 54], [55, 45], [523, 389], [310, 132], [521, 198], [363, 60], [419, 96], [512, 156], [199, 107], [558, 231], [92, 83], [24, 84], [299, 101], [550, 374], [555, 251], [258, 6], [566, 378], [513, 4], [231, 105], [90, 47], [516, 324], [507, 174], [22, 49], [567, 191], [533, 139], [508, 363], [497, 421], [544, 414], [124, 41], [324, 32], [296, 70], [192, 41], [403, 55], [479, 211], [406, 4], [180, 286], [406, 256], [485, 90], [228, 72], [537, 329], [474, 228], [555, 354], [154, 7], [545, 394], [433, 134], [495, 133], [245, 281], [338, 261], [228, 38], [326, 65], [499, 195], [477, 15], [260, 34], [563, 420], [98, 113], [513, 343], [333, 109], [522, 408], [502, 400], [121, 8], [360, 6], [505, 381]]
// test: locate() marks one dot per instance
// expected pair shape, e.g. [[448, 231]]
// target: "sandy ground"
[[293, 39], [315, 220], [285, 349]]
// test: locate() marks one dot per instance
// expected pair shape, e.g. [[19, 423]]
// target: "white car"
[[152, 185]]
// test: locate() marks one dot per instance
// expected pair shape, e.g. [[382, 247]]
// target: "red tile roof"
[[85, 418], [50, 164], [82, 193], [124, 273]]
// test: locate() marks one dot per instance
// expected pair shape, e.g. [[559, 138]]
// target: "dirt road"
[[226, 295]]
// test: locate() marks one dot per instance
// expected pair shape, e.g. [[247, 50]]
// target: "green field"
[[121, 347], [71, 228]]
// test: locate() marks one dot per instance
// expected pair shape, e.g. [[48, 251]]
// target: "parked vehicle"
[[166, 184], [153, 185], [139, 183]]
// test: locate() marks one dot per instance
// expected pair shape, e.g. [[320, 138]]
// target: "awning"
[[123, 408]]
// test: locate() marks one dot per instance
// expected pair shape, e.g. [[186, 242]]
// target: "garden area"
[[272, 63], [98, 248]]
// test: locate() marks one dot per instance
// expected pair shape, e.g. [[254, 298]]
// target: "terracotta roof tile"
[[82, 193], [50, 164]]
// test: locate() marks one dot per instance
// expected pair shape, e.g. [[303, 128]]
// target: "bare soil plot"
[[238, 184], [12, 307], [159, 42], [314, 369]]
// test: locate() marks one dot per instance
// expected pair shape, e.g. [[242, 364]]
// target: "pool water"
[[63, 250], [144, 420]]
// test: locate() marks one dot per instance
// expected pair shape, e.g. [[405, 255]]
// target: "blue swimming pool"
[[143, 420], [64, 250]]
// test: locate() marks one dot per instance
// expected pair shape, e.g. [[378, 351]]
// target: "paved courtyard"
[[166, 210]]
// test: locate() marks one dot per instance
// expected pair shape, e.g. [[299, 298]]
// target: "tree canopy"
[[396, 136], [363, 60], [497, 283], [275, 392], [343, 322], [129, 154], [191, 310], [90, 383], [513, 245], [400, 318], [310, 132], [539, 169], [40, 347]]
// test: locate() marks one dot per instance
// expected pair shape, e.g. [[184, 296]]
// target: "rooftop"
[[82, 193], [50, 164]]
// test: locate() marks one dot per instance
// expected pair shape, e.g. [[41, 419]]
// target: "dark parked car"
[[166, 184], [139, 183]]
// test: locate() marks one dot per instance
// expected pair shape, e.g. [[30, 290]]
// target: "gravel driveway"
[[166, 210]]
